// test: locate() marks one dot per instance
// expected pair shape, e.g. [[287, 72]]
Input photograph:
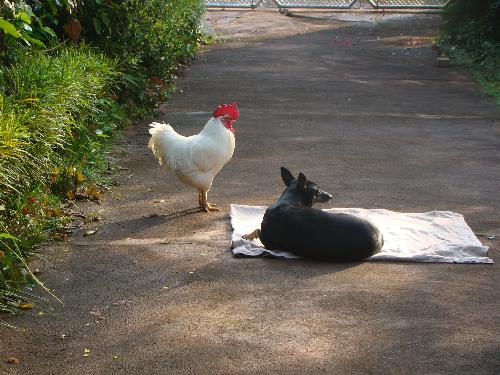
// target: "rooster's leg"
[[200, 198], [207, 206]]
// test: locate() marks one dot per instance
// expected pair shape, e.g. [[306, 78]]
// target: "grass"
[[15, 277], [50, 106], [481, 59], [57, 118]]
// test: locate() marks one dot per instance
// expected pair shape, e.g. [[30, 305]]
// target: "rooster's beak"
[[229, 117]]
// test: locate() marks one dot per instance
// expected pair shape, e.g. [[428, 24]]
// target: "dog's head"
[[308, 192]]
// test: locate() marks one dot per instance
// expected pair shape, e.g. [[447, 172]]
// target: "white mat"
[[437, 236]]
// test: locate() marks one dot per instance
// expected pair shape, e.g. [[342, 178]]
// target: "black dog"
[[293, 225]]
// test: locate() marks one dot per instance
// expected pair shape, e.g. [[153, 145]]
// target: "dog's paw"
[[252, 235]]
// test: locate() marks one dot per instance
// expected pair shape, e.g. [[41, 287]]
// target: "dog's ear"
[[287, 176], [302, 180]]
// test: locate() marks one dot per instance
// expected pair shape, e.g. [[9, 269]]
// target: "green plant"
[[18, 23], [57, 116], [99, 18], [463, 17], [15, 275], [53, 13], [471, 36], [151, 38], [60, 108], [53, 107]]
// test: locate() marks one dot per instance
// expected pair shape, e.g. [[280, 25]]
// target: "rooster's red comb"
[[230, 110]]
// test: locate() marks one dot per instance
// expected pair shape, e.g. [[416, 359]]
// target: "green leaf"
[[9, 236], [9, 28], [97, 25], [131, 79], [23, 16], [52, 6], [105, 20], [101, 134], [49, 31], [35, 41], [26, 27]]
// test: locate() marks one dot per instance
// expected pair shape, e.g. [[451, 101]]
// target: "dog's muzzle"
[[324, 197]]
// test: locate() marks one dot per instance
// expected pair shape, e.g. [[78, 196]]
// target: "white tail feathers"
[[167, 145], [157, 141], [157, 127]]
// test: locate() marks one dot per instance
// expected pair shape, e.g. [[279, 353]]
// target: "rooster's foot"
[[210, 207], [204, 203]]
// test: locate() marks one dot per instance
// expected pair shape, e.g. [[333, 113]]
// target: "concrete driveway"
[[359, 106]]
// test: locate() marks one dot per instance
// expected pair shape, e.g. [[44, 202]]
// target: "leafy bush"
[[55, 111], [463, 17], [151, 39], [60, 108], [156, 47], [47, 103], [471, 36], [162, 33], [19, 26]]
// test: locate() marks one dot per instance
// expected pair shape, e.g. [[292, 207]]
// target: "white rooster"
[[197, 159]]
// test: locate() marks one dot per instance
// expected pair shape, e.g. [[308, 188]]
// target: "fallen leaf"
[[26, 306], [97, 195], [57, 212], [94, 192], [13, 360], [95, 312]]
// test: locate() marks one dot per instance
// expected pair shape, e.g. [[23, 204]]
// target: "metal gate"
[[330, 4]]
